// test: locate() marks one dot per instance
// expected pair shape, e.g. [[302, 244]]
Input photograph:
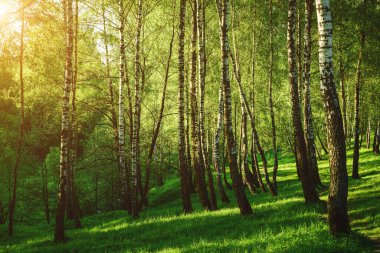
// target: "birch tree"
[[337, 199], [195, 136], [308, 118], [309, 191], [359, 80], [217, 158], [185, 191], [270, 88], [201, 22], [241, 198], [64, 154], [135, 150], [121, 120]]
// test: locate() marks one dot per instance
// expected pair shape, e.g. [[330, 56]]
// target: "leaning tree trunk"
[[248, 177], [156, 130], [343, 90], [196, 145], [217, 158], [242, 201], [235, 64], [255, 163], [355, 158], [273, 123], [20, 142], [185, 190], [337, 199], [64, 156], [201, 22], [237, 73], [308, 119], [309, 191]]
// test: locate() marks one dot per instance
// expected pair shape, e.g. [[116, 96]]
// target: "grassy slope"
[[279, 224]]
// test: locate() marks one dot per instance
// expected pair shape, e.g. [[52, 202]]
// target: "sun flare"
[[6, 9]]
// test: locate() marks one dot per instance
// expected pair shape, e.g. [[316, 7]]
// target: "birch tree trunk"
[[45, 192], [273, 123], [251, 116], [185, 191], [20, 142], [377, 144], [121, 120], [337, 199], [247, 174], [241, 198], [374, 143], [195, 136], [299, 54], [64, 156], [308, 117], [343, 90], [74, 205], [309, 191], [135, 151], [368, 134], [255, 163], [217, 158], [355, 158], [201, 22], [188, 143]]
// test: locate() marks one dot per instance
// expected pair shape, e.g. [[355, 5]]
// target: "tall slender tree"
[[74, 205], [241, 198], [198, 164], [253, 126], [308, 118], [157, 125], [359, 80], [201, 22], [135, 150], [217, 158], [121, 120], [309, 191], [255, 163], [343, 90], [337, 199], [64, 157], [270, 88], [185, 190]]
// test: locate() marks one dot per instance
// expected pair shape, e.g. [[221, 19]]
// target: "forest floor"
[[279, 224]]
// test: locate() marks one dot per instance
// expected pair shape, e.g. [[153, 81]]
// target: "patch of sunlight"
[[170, 250], [119, 225], [280, 201]]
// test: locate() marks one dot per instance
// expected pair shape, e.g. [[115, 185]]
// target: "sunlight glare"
[[4, 9]]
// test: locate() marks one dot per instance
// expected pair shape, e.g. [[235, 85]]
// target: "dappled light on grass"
[[279, 224]]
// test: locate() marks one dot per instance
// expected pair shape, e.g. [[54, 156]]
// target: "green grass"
[[279, 224]]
